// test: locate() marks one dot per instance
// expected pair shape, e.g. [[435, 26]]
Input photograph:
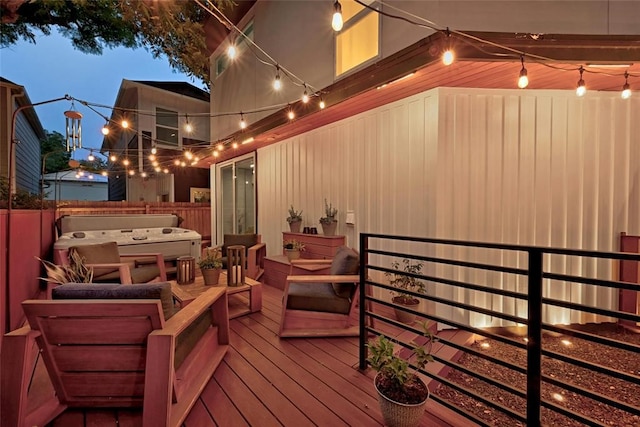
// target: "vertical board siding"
[[525, 167]]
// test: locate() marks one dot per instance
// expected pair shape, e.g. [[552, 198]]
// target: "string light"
[[216, 153], [220, 147], [581, 89], [152, 157], [336, 22], [277, 84], [165, 170], [126, 162], [124, 124], [626, 89], [523, 80], [104, 173], [243, 123], [132, 172], [143, 174], [232, 52], [91, 157], [188, 154], [305, 95], [176, 162], [105, 129], [113, 157], [154, 150], [290, 114], [448, 56], [187, 126], [322, 104], [234, 145]]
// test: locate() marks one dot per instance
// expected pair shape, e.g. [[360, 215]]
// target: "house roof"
[[22, 100], [70, 176], [181, 88], [476, 65]]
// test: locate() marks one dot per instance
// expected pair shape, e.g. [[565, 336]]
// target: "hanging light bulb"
[[243, 123], [90, 176], [220, 147], [336, 22], [126, 162], [322, 104], [183, 163], [143, 174], [305, 95], [113, 157], [290, 114], [152, 157], [581, 89], [91, 157], [187, 126], [154, 150], [105, 129], [154, 163], [235, 144], [157, 169], [132, 172], [216, 153], [447, 55], [104, 173], [165, 170], [176, 162], [626, 89], [523, 80], [232, 52], [277, 84], [124, 124], [188, 154]]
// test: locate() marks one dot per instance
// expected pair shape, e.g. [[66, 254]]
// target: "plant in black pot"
[[403, 282], [294, 219], [401, 393]]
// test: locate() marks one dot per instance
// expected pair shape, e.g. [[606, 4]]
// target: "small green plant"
[[211, 258], [75, 272], [402, 281], [329, 214], [395, 380], [293, 244], [294, 216]]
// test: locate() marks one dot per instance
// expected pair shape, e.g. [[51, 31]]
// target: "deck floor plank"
[[220, 407], [199, 416]]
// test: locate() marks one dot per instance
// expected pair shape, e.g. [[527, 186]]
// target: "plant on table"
[[294, 216], [211, 258], [395, 381], [293, 245], [329, 214]]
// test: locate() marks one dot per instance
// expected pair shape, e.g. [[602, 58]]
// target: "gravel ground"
[[620, 390]]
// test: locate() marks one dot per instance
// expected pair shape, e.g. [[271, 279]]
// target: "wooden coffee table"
[[184, 294]]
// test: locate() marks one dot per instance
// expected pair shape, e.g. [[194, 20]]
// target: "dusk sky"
[[52, 68]]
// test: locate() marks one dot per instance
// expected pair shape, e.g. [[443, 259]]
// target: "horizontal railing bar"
[[468, 415], [571, 414], [590, 309], [511, 270], [520, 248], [598, 397], [481, 288], [592, 337], [591, 281], [592, 366]]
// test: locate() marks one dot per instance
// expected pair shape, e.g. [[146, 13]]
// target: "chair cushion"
[[161, 291], [316, 297], [246, 240], [142, 274], [346, 261], [100, 253]]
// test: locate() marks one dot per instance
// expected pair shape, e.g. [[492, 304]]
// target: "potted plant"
[[211, 265], [329, 221], [294, 219], [74, 272], [292, 248], [404, 282], [401, 393]]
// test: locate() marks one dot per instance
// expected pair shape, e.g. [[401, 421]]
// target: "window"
[[167, 126], [359, 40], [222, 61]]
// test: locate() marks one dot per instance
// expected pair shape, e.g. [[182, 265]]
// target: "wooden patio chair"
[[114, 353], [322, 305], [254, 253]]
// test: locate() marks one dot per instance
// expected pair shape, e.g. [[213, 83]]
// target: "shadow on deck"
[[266, 381]]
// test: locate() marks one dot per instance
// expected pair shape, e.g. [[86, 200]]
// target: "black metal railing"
[[529, 282]]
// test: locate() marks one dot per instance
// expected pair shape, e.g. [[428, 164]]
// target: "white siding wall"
[[528, 167]]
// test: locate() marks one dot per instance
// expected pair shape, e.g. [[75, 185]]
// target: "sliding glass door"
[[236, 196]]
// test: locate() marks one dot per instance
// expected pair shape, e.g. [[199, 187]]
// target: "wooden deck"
[[268, 381]]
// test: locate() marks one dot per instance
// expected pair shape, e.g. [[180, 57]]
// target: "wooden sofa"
[[114, 353]]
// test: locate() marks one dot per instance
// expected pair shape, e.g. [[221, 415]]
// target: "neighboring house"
[[28, 133], [69, 185], [158, 114], [453, 152]]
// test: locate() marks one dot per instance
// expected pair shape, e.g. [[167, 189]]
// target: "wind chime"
[[73, 128]]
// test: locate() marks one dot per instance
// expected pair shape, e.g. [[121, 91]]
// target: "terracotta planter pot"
[[403, 316], [211, 276], [292, 254], [294, 227], [329, 229], [397, 414]]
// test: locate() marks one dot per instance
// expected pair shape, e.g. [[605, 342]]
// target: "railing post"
[[534, 336], [364, 248]]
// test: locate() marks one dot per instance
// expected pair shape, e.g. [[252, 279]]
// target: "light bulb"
[[165, 170], [523, 80], [220, 147], [234, 145], [77, 176], [336, 22], [188, 154], [305, 97], [176, 162], [143, 174], [183, 164], [626, 91], [91, 157], [154, 150], [277, 84], [157, 169], [448, 57], [124, 124], [155, 163], [188, 127], [291, 115], [132, 172], [322, 104], [125, 162], [152, 157], [104, 173], [243, 123], [581, 89], [105, 130], [90, 176], [113, 157], [232, 52], [216, 153]]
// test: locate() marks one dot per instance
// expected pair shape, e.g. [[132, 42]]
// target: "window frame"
[[163, 126], [354, 20]]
